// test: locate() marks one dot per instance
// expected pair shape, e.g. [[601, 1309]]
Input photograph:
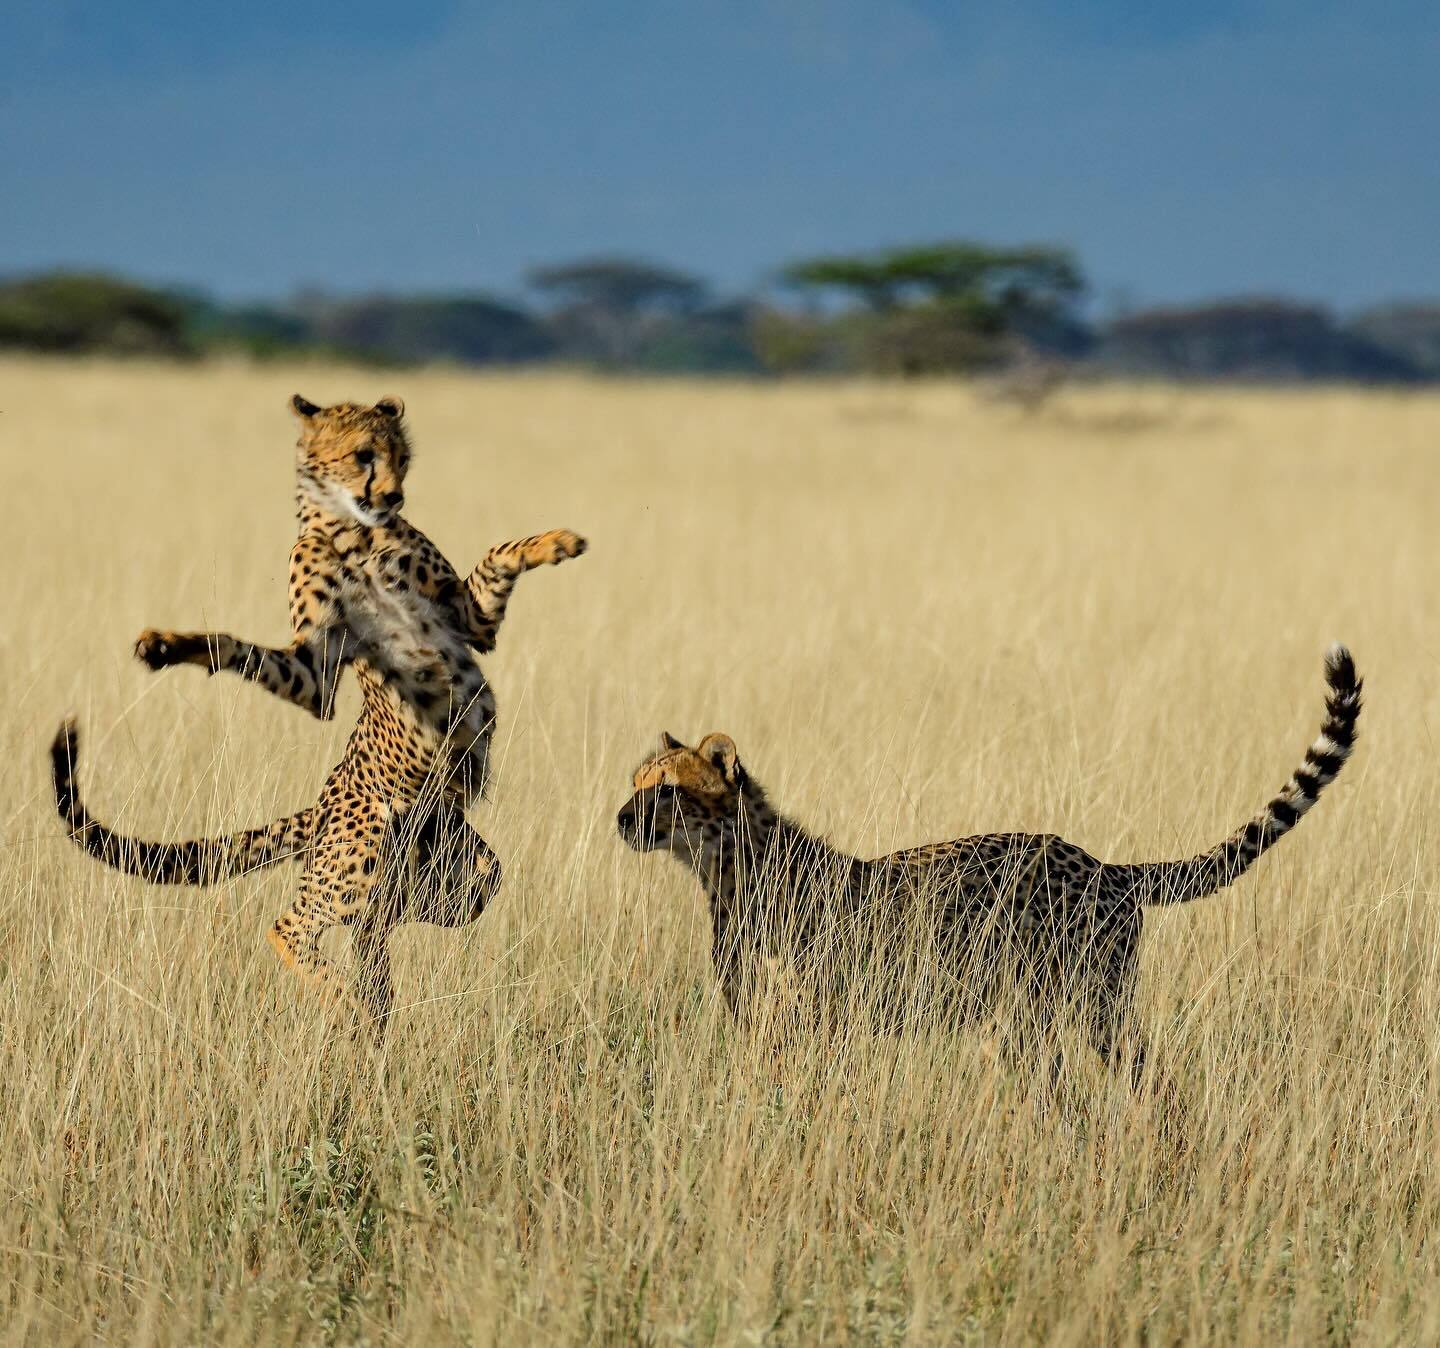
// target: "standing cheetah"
[[1030, 911], [366, 589]]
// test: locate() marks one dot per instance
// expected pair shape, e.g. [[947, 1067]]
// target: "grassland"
[[920, 615]]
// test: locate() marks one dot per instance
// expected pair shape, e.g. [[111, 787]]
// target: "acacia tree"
[[950, 305], [621, 284], [605, 308]]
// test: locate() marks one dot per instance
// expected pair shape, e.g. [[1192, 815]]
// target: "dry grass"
[[920, 615]]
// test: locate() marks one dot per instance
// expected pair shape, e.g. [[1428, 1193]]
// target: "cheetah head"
[[686, 800], [353, 459]]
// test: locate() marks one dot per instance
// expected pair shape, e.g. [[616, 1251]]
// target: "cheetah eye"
[[364, 457]]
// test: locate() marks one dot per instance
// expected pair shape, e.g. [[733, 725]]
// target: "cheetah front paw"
[[557, 546], [159, 650]]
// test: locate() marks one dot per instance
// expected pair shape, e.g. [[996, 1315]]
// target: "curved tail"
[[1163, 882], [197, 861]]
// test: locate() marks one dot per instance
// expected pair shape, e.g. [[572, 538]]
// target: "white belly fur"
[[405, 638]]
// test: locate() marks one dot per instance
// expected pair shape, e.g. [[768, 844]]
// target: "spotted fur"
[[1029, 911], [367, 590]]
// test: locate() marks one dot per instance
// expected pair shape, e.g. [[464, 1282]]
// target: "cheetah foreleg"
[[489, 586], [305, 673]]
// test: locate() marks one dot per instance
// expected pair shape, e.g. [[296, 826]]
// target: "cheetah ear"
[[669, 742], [720, 750], [303, 406], [391, 407]]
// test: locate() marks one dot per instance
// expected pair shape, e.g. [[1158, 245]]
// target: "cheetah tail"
[[197, 861], [1166, 882]]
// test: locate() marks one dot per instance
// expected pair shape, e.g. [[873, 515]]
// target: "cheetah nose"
[[626, 821], [393, 500]]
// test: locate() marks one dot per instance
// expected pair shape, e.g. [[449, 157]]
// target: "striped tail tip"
[[67, 738], [1181, 881], [64, 754], [1340, 670]]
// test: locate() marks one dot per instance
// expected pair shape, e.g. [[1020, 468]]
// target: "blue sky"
[[1183, 150]]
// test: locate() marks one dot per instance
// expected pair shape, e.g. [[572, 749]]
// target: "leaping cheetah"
[[1030, 910], [387, 840]]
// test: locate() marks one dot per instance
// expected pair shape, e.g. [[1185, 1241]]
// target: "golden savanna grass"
[[921, 614]]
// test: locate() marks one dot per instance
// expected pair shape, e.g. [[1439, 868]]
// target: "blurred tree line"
[[949, 307]]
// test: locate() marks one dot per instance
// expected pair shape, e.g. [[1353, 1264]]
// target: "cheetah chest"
[[406, 636]]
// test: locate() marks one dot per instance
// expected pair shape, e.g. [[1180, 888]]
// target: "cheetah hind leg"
[[1113, 1034], [457, 873], [1029, 1045], [376, 992], [327, 900], [370, 1003], [295, 938]]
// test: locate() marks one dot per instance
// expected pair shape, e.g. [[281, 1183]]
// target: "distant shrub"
[[1266, 339], [1409, 332], [947, 336], [790, 343], [714, 340], [260, 331], [90, 312], [470, 329]]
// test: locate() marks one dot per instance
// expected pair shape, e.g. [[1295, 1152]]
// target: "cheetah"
[[1030, 912], [387, 839]]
